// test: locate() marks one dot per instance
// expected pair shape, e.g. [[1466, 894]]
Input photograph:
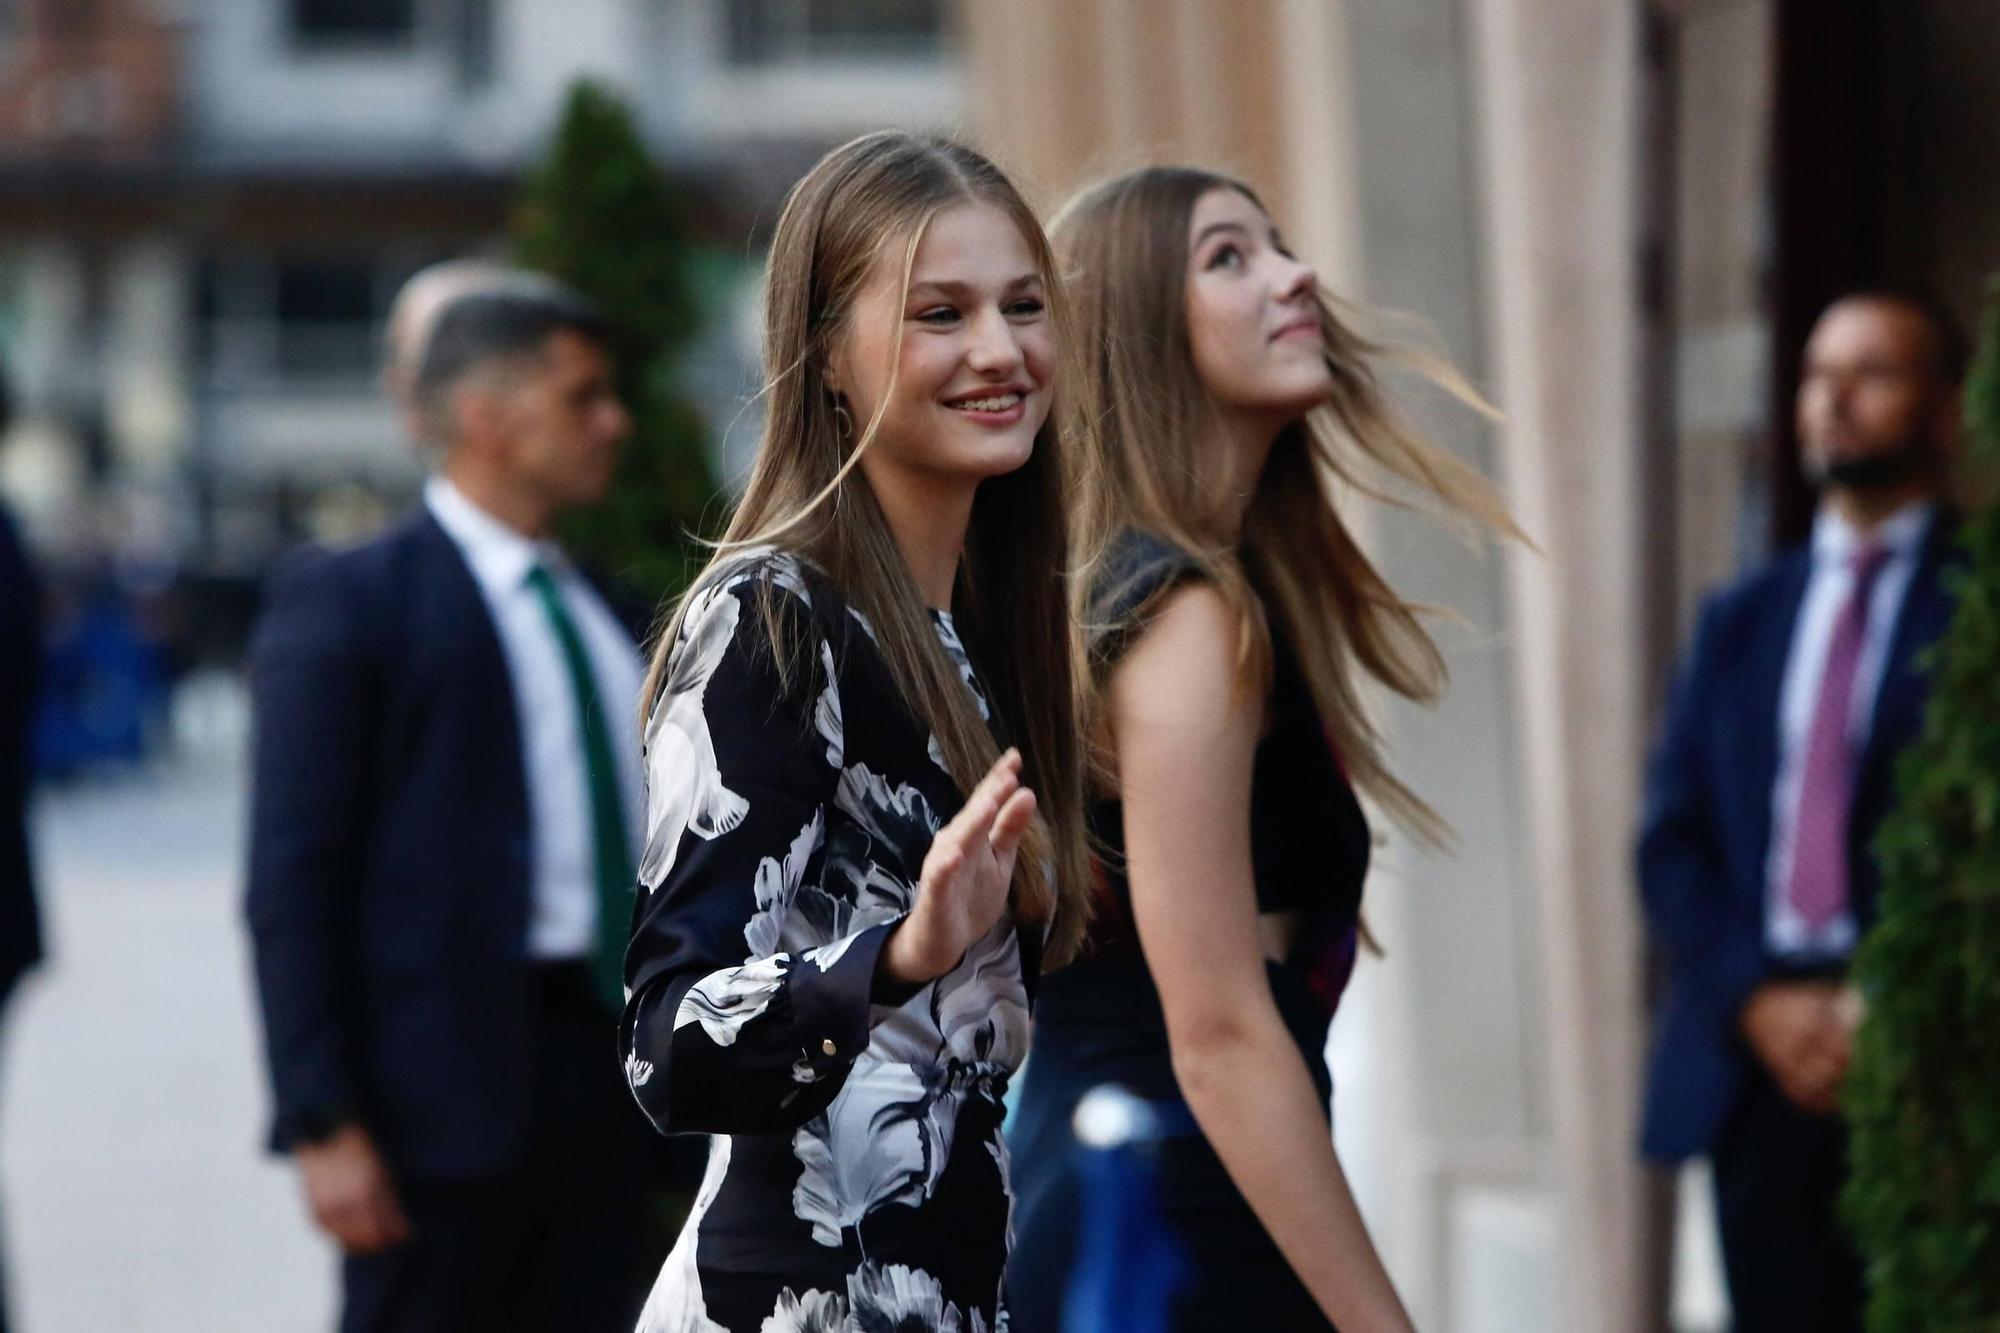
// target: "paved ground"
[[136, 1196]]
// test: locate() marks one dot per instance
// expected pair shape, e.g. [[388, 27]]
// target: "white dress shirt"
[[562, 920], [1834, 542]]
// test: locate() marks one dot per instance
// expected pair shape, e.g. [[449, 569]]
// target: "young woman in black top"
[[1232, 619], [847, 889]]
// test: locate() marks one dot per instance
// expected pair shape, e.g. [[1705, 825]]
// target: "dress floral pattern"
[[857, 1175]]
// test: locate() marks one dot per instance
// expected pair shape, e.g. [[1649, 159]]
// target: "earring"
[[846, 426]]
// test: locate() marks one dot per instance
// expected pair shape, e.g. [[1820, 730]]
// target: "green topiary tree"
[[600, 215], [1923, 1096]]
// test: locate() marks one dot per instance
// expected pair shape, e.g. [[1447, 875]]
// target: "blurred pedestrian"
[[1231, 613], [406, 334], [1770, 775], [847, 886], [20, 671], [446, 801]]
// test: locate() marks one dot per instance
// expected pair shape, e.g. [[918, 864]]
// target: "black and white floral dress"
[[857, 1178]]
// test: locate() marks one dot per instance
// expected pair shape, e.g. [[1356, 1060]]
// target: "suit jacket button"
[[829, 1047]]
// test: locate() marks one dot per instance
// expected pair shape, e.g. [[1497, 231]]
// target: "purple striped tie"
[[1817, 890]]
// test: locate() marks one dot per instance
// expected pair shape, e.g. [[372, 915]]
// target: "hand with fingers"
[[1803, 1033], [350, 1192], [966, 876]]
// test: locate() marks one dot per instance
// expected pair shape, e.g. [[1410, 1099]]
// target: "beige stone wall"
[[1560, 92], [1722, 329], [1067, 90]]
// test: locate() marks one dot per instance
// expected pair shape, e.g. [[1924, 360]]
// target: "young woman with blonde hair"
[[858, 712], [1233, 620]]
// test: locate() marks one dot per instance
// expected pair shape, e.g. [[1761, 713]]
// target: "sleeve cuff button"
[[828, 1046]]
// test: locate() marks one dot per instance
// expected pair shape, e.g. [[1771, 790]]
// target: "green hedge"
[[1923, 1096], [601, 215]]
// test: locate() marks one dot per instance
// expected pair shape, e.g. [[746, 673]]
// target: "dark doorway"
[[1885, 125]]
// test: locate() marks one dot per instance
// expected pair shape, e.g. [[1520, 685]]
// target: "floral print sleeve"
[[750, 990], [857, 1177]]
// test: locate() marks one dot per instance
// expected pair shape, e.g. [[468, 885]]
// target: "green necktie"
[[607, 812]]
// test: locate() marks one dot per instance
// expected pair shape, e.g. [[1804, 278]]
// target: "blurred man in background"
[[20, 671], [1771, 774], [446, 802], [414, 314]]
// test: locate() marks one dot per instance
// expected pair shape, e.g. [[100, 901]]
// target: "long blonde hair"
[[866, 203], [1123, 245]]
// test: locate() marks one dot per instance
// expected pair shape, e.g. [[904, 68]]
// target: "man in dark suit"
[[444, 828], [1771, 773], [20, 671]]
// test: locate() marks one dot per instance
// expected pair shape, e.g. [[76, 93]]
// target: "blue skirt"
[[1096, 1022]]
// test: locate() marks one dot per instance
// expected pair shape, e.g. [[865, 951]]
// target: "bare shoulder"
[[1184, 666]]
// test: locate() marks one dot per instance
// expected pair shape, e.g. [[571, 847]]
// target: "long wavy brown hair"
[[865, 204], [1148, 465]]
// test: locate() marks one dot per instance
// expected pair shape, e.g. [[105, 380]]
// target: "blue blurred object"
[[104, 686], [1129, 1266]]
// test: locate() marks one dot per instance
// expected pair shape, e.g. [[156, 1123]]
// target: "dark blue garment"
[[1129, 1266], [104, 687], [388, 901], [388, 895], [1705, 827], [20, 666], [20, 663], [1099, 1020]]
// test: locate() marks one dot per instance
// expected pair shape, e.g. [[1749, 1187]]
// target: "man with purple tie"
[[1773, 768]]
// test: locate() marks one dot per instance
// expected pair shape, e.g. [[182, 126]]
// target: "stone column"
[[1558, 87]]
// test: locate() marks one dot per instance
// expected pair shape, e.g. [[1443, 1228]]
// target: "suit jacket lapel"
[[1899, 703], [1770, 656], [486, 681], [463, 604], [1899, 700]]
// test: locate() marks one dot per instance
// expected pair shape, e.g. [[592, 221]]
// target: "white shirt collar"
[[499, 555], [1835, 539]]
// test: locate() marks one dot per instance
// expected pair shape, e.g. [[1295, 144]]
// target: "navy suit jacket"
[[388, 895], [20, 672], [1706, 826]]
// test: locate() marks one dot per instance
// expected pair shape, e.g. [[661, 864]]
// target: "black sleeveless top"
[[1309, 840], [1099, 1020]]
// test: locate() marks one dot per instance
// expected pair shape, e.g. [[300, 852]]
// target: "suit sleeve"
[[20, 675], [20, 663], [725, 1030], [311, 701], [1711, 944]]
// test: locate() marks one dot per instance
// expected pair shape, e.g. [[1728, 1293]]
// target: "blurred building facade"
[[1620, 218], [206, 206]]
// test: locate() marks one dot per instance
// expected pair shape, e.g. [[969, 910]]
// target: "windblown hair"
[[867, 203], [1149, 465]]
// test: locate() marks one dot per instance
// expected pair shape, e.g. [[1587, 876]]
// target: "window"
[[13, 26], [763, 32], [472, 42], [353, 22], [299, 320], [326, 312]]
